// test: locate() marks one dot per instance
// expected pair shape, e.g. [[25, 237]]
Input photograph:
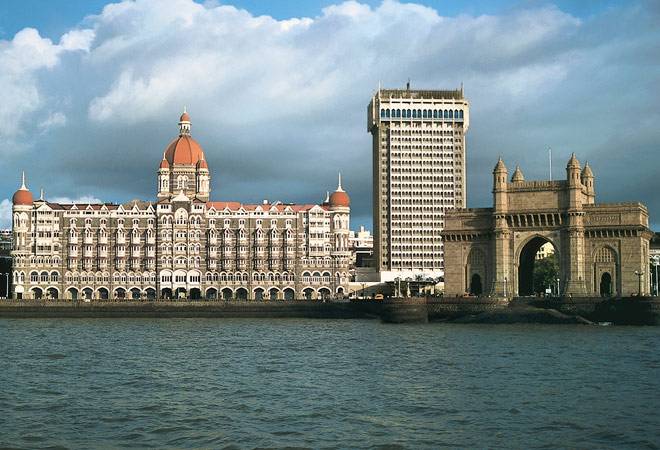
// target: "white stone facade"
[[183, 245]]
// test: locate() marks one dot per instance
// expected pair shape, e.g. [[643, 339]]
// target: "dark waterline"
[[243, 383]]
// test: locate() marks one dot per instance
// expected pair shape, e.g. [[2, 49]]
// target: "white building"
[[182, 245], [418, 174]]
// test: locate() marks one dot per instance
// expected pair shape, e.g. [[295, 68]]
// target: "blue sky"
[[279, 103]]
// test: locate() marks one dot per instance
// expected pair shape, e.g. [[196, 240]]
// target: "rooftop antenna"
[[550, 161]]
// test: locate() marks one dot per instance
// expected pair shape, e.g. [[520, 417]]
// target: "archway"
[[37, 293], [211, 294], [87, 293], [72, 293], [606, 285], [52, 293], [135, 294], [537, 270], [241, 294], [340, 292], [226, 294], [166, 293], [324, 293], [307, 293], [289, 294], [258, 294], [103, 293], [272, 294], [195, 294], [120, 293], [180, 293], [475, 285], [151, 293]]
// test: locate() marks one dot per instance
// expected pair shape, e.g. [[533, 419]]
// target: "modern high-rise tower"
[[418, 174]]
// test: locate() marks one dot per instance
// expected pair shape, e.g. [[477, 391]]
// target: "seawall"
[[619, 311]]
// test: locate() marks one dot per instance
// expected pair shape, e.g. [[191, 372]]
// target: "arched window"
[[446, 114], [382, 113], [424, 114], [451, 114], [398, 113], [414, 113], [387, 113], [460, 113]]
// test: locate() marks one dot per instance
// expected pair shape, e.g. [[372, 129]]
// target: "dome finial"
[[339, 189], [327, 197]]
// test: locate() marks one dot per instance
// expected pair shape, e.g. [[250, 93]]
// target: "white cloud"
[[279, 105], [83, 199], [54, 120]]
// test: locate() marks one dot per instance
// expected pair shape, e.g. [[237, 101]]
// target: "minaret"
[[588, 183], [503, 281], [203, 180], [575, 284], [518, 176], [164, 178]]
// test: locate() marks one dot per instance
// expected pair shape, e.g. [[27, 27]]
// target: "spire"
[[41, 194], [327, 197], [23, 188], [339, 189], [586, 172], [517, 175], [573, 162], [499, 167]]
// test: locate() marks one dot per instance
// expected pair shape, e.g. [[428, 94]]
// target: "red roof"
[[22, 197], [184, 150]]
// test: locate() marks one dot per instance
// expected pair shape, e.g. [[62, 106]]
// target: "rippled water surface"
[[219, 383]]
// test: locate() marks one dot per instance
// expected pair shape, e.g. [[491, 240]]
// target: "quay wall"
[[157, 309], [620, 311]]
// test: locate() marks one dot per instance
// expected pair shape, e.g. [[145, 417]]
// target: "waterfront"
[[243, 383]]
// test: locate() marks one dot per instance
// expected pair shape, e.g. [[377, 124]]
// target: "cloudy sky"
[[277, 92]]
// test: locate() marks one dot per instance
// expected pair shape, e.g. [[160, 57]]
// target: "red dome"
[[164, 164], [22, 197], [184, 150], [201, 164], [184, 117], [340, 198]]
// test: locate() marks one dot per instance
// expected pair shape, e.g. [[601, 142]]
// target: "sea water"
[[273, 383]]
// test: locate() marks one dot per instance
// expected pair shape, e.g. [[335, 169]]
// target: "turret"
[[164, 178], [588, 182], [573, 177], [203, 179], [517, 176], [500, 176], [339, 203]]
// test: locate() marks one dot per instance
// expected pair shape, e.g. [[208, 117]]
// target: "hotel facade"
[[183, 245], [418, 174]]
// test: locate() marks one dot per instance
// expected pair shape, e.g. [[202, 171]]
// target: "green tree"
[[546, 271]]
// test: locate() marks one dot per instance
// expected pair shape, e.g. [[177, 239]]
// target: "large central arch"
[[528, 263]]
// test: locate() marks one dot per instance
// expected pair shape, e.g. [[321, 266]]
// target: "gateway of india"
[[602, 249], [183, 245]]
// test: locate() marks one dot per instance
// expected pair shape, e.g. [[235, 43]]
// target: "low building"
[[361, 243]]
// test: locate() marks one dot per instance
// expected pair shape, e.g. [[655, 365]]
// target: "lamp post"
[[505, 286], [656, 263], [557, 280], [639, 274]]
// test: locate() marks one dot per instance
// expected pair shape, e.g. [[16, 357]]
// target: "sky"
[[278, 92]]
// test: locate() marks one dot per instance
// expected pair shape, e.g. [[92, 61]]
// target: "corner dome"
[[22, 197], [340, 198], [164, 164], [201, 164], [499, 167]]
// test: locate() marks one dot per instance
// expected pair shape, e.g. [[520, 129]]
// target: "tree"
[[546, 271]]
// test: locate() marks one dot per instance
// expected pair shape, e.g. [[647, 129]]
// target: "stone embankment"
[[618, 311]]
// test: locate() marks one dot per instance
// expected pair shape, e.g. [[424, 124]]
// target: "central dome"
[[184, 150]]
